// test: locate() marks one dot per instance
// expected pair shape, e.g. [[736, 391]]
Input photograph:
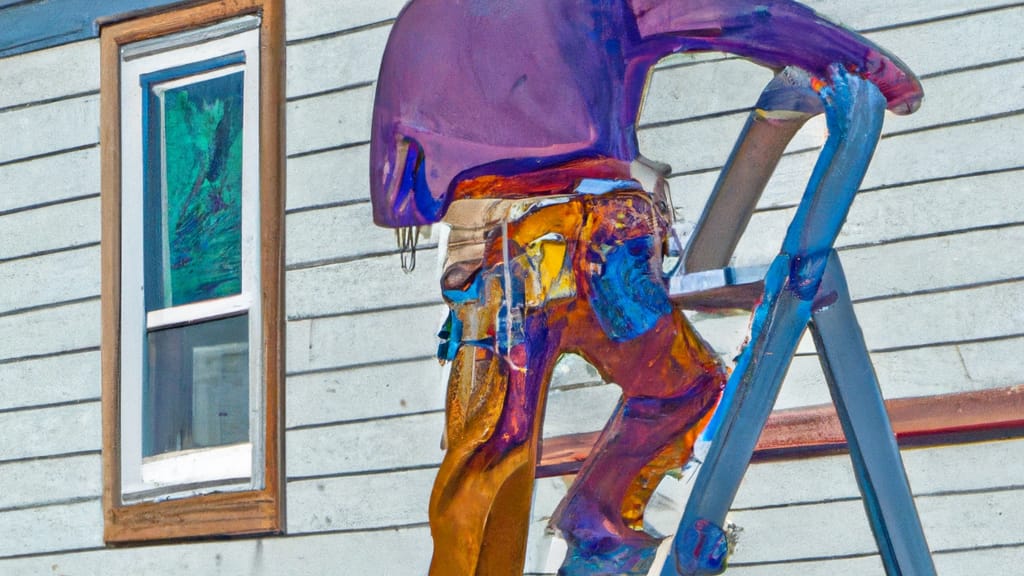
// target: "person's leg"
[[480, 506], [629, 330], [670, 385]]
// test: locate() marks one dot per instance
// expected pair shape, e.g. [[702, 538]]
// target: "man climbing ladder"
[[515, 123]]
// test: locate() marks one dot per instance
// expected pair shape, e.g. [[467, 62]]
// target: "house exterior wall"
[[931, 248]]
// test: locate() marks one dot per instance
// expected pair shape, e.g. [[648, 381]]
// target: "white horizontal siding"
[[571, 371], [993, 363], [50, 481], [869, 14], [51, 431], [397, 552], [337, 233], [990, 561], [682, 92], [985, 561], [906, 158], [976, 147], [908, 212], [579, 409], [932, 471], [32, 76], [329, 177], [43, 128], [924, 209], [942, 45], [908, 373], [955, 96], [50, 380], [936, 207], [951, 522], [328, 343], [318, 17], [361, 285], [48, 279], [79, 225], [917, 265], [903, 373], [705, 145], [364, 393], [50, 179], [903, 159], [355, 58], [810, 510], [50, 330], [962, 497], [974, 313], [51, 528], [362, 502], [330, 120], [987, 312], [803, 531], [375, 446]]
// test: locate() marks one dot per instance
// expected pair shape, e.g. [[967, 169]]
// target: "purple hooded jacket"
[[504, 87]]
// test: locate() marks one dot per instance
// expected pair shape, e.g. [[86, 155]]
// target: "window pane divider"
[[198, 312]]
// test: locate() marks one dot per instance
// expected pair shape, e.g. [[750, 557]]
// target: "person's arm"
[[778, 33]]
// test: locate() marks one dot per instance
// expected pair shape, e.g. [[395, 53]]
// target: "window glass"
[[194, 190], [196, 393]]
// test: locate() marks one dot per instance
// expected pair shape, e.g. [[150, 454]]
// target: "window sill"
[[234, 514]]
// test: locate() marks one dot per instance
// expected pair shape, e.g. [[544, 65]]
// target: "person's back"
[[503, 87]]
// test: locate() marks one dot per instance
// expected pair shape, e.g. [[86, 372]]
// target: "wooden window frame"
[[247, 512]]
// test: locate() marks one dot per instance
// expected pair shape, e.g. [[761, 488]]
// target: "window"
[[192, 260]]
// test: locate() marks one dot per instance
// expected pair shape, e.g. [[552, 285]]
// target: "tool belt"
[[605, 241]]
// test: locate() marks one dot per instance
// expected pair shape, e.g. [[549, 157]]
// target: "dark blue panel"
[[27, 25]]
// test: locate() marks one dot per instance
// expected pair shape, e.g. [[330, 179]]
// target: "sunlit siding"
[[932, 251]]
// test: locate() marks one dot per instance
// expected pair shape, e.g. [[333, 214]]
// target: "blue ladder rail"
[[804, 286]]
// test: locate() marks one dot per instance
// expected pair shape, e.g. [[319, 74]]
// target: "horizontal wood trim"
[[814, 430], [733, 297]]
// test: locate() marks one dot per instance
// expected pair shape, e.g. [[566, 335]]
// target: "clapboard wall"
[[931, 249]]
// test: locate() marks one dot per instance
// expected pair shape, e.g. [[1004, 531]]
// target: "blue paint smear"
[[451, 337], [627, 299], [598, 186]]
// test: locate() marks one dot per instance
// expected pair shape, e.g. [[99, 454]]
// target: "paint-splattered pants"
[[580, 274]]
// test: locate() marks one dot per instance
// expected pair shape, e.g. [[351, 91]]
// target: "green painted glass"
[[200, 239]]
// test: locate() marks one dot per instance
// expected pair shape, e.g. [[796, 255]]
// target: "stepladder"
[[804, 288]]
